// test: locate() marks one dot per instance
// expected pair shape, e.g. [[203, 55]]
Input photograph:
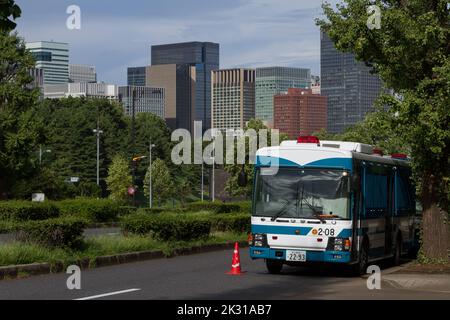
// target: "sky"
[[115, 35]]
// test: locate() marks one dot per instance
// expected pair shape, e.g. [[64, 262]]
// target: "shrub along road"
[[202, 276]]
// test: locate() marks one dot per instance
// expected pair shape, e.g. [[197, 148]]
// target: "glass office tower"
[[271, 81], [204, 57], [136, 76], [53, 59], [348, 84]]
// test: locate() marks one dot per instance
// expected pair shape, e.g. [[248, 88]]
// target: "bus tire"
[[274, 266], [363, 260], [397, 251]]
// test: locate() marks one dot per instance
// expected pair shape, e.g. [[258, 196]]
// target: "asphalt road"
[[203, 276]]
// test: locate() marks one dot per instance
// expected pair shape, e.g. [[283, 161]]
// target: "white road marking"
[[108, 294]]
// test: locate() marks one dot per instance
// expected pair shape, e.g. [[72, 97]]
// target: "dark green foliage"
[[236, 222], [59, 232], [93, 210], [151, 211], [216, 207], [168, 227], [27, 210], [9, 11]]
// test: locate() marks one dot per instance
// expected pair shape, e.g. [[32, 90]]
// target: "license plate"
[[295, 255]]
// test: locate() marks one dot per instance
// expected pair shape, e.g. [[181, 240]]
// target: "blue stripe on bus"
[[303, 231], [311, 256], [338, 163], [346, 233]]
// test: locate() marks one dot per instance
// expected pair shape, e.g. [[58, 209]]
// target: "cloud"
[[251, 33]]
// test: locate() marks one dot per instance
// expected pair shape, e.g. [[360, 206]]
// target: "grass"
[[24, 253]]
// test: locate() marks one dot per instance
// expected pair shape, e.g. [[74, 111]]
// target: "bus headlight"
[[259, 240]]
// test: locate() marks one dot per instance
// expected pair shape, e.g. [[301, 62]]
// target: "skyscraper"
[[299, 112], [233, 98], [53, 58], [274, 80], [348, 84], [204, 57], [136, 76], [147, 99], [82, 73]]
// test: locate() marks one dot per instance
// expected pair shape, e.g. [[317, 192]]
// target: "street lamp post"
[[202, 178], [150, 182], [98, 132], [41, 153]]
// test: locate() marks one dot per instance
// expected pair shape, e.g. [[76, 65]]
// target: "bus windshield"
[[301, 193]]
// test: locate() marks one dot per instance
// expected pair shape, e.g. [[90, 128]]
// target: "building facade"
[[203, 57], [299, 112], [348, 84], [53, 59], [82, 73], [136, 76], [81, 89], [274, 80], [233, 98], [147, 99]]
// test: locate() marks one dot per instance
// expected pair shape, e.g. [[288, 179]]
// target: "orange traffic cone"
[[236, 262]]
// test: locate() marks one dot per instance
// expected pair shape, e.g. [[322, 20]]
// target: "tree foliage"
[[9, 11], [119, 178], [411, 53], [162, 182], [21, 130]]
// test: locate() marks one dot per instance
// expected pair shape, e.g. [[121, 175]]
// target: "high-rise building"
[[203, 57], [53, 58], [348, 84], [299, 112], [179, 84], [233, 98], [38, 77], [147, 99], [136, 76], [274, 80], [81, 89], [82, 73]]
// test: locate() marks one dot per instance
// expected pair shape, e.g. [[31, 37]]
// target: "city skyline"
[[273, 33]]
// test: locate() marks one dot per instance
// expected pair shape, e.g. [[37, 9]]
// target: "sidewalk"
[[430, 278]]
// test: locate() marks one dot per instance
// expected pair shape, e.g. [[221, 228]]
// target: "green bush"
[[139, 223], [94, 210], [59, 232], [151, 211], [246, 206], [167, 227], [27, 210], [216, 207], [237, 222]]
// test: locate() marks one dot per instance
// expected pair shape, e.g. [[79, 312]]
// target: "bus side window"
[[376, 197]]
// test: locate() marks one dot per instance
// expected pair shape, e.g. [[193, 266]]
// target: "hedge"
[[216, 207], [167, 227], [59, 232], [237, 222], [94, 210], [27, 210]]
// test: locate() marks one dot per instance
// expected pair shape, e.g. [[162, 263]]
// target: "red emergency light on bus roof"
[[378, 152], [308, 139], [400, 156]]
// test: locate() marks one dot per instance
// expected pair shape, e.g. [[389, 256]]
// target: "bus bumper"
[[311, 256]]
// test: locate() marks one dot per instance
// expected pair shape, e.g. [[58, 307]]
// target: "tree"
[[21, 129], [232, 186], [119, 178], [162, 182], [411, 53], [376, 129], [9, 11]]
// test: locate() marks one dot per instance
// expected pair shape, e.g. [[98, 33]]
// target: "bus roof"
[[324, 154]]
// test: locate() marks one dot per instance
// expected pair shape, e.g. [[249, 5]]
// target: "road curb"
[[17, 271]]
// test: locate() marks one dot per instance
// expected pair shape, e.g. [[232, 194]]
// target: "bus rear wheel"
[[363, 261], [274, 266]]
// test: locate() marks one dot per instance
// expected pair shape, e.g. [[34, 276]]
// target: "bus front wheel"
[[274, 266]]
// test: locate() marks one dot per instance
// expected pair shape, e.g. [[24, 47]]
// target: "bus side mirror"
[[242, 179]]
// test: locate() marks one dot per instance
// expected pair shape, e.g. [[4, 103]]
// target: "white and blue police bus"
[[330, 202]]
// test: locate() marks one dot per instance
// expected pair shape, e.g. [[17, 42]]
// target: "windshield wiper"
[[316, 213], [281, 212]]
